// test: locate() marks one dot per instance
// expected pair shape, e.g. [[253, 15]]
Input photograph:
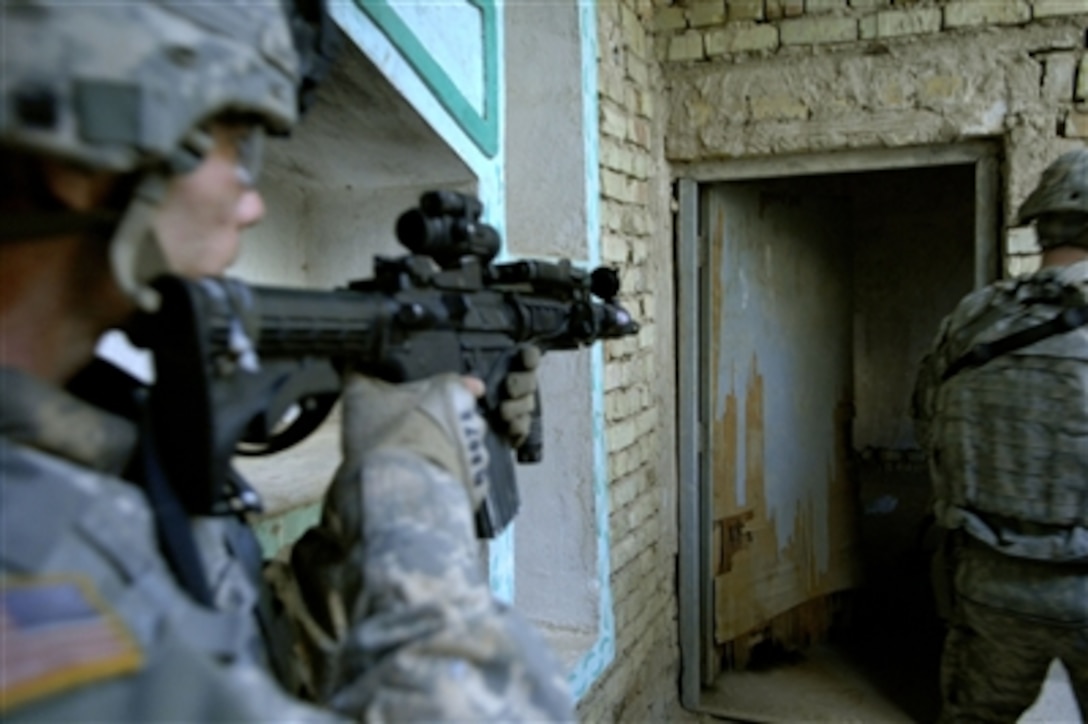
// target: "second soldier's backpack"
[[1009, 435]]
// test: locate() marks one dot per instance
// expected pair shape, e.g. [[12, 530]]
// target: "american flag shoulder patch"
[[56, 634]]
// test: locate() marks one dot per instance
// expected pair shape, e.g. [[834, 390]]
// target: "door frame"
[[695, 594]]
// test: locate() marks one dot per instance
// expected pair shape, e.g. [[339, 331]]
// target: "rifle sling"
[[983, 352]]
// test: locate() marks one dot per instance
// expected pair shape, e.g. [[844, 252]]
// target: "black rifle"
[[232, 361]]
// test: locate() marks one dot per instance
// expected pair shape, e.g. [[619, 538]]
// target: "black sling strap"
[[982, 353], [173, 525], [102, 384]]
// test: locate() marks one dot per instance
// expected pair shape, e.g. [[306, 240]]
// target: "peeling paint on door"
[[779, 407]]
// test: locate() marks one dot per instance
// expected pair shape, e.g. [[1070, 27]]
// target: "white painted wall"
[[557, 533], [545, 155], [333, 193]]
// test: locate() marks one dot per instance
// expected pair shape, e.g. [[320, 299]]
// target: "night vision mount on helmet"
[[122, 86]]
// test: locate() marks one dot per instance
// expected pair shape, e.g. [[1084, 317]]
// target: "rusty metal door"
[[776, 398]]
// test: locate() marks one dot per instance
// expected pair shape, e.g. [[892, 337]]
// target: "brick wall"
[[705, 29], [686, 81], [768, 77], [642, 682]]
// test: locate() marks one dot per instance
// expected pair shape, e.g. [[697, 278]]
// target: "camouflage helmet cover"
[[1062, 188], [119, 85]]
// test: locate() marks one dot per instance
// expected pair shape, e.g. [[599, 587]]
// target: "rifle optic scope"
[[446, 226]]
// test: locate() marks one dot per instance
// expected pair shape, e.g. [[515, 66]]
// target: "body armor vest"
[[1010, 437]]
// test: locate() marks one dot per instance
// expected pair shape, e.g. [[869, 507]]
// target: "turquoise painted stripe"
[[500, 556], [501, 550], [483, 128], [590, 667]]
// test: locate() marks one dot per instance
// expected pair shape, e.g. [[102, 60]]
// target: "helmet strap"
[[135, 253], [23, 225]]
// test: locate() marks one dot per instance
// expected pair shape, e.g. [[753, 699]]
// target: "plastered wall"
[[773, 77], [330, 207]]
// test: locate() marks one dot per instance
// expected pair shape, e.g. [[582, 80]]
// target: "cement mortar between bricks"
[[613, 120], [624, 549], [642, 566], [627, 580], [1081, 92], [646, 606], [639, 649], [624, 491], [622, 435], [642, 511], [644, 569]]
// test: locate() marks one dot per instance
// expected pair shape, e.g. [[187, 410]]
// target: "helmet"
[[120, 86], [127, 86], [1062, 188]]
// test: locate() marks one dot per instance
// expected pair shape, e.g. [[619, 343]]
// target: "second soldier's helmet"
[[120, 86], [1063, 188]]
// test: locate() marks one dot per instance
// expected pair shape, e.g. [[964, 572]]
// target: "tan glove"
[[435, 418], [518, 396]]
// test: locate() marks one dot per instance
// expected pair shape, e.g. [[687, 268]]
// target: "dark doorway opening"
[[909, 254]]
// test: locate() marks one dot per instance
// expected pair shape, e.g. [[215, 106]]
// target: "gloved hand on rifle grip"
[[518, 396], [435, 418]]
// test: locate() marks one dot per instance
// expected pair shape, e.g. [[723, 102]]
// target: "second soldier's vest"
[[1010, 436]]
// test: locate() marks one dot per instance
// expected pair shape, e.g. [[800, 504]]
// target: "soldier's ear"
[[77, 188]]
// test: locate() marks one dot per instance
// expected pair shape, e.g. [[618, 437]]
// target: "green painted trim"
[[482, 129]]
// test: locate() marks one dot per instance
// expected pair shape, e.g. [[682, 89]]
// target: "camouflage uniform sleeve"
[[399, 619]]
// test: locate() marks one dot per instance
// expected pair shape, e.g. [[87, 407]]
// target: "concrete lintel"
[[740, 169]]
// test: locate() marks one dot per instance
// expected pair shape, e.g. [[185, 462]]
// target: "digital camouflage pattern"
[[68, 517], [1009, 439], [392, 592], [1008, 452], [398, 622], [1011, 619], [1062, 188], [389, 586], [71, 90]]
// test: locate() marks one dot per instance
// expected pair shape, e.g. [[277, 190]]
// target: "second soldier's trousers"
[[1011, 619]]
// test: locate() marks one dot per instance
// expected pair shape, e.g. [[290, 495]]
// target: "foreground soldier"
[[1006, 428], [130, 144]]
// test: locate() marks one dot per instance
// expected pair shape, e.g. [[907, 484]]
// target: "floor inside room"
[[884, 665]]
